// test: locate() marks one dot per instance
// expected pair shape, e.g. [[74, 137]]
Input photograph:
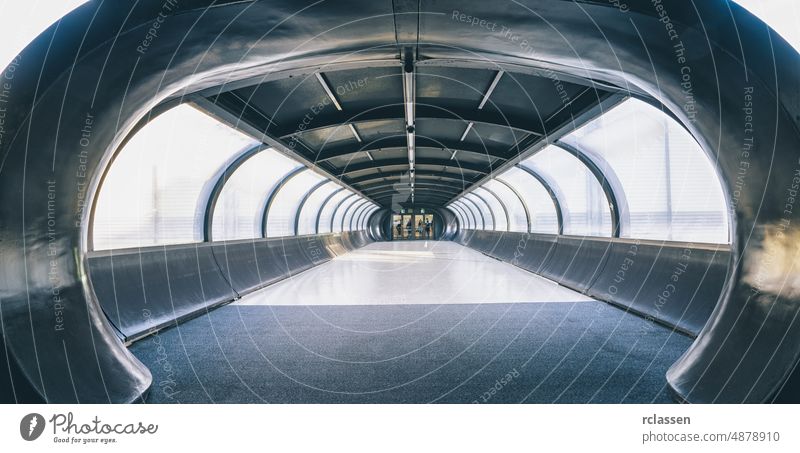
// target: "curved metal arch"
[[273, 193], [339, 205], [521, 200], [357, 205], [303, 202], [430, 112], [458, 214], [362, 222], [468, 214], [357, 214], [555, 194], [607, 177], [213, 188], [365, 221], [361, 217], [477, 209], [399, 141], [322, 207], [488, 208], [417, 175], [502, 205], [369, 215]]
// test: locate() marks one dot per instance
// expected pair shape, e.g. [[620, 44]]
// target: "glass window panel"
[[516, 210], [352, 216], [339, 214], [462, 217], [672, 190], [283, 212], [355, 222], [348, 216], [468, 214], [544, 218], [584, 198], [362, 222], [500, 221], [462, 223], [240, 206], [151, 193], [472, 210], [308, 215], [485, 214], [329, 207]]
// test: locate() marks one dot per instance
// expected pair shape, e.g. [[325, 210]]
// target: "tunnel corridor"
[[267, 201], [413, 322]]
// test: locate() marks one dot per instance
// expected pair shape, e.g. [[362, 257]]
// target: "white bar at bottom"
[[406, 428]]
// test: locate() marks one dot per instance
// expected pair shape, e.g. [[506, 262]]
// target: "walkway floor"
[[412, 272]]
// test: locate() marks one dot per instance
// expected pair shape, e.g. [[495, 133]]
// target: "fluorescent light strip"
[[491, 89], [466, 131], [408, 97], [411, 150], [409, 100], [369, 155], [454, 154], [328, 91], [355, 133]]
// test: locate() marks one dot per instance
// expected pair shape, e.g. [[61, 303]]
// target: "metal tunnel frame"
[[322, 207], [339, 205], [741, 355], [462, 215], [612, 188], [219, 183], [488, 208], [274, 193], [474, 208], [357, 205], [552, 189], [468, 214], [502, 205], [522, 201], [303, 202]]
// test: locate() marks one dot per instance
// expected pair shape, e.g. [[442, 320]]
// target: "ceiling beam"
[[422, 112], [404, 174], [447, 165], [251, 124], [451, 187], [579, 110], [421, 197], [420, 192], [399, 142], [291, 69]]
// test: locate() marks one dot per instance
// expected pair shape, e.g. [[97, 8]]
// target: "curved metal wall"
[[143, 290], [641, 276]]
